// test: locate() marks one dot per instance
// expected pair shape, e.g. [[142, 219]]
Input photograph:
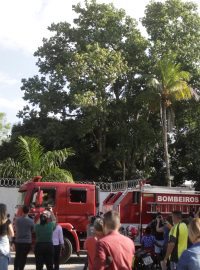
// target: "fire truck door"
[[80, 206]]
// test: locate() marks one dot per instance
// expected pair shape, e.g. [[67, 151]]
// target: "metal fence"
[[9, 182], [116, 186], [104, 186]]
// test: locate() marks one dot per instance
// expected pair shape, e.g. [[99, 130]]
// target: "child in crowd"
[[148, 241]]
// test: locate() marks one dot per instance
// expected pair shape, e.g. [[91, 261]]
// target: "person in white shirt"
[[58, 244]]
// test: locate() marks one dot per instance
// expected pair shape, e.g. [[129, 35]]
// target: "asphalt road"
[[75, 263]]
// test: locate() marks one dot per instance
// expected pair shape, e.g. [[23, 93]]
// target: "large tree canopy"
[[93, 94], [87, 70], [173, 27], [100, 30]]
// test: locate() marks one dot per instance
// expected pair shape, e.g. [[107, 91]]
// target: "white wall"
[[8, 196], [103, 195]]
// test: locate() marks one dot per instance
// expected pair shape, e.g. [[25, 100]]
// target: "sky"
[[23, 24]]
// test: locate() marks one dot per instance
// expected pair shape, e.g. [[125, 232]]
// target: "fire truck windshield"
[[48, 197]]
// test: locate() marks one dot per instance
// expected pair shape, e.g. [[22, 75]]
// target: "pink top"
[[113, 252], [57, 237]]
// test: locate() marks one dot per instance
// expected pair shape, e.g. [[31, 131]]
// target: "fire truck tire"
[[67, 252]]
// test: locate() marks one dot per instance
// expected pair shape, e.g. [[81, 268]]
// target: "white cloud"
[[25, 22], [14, 104], [11, 108], [5, 79]]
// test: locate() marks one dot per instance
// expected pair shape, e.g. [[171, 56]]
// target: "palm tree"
[[171, 85], [32, 161]]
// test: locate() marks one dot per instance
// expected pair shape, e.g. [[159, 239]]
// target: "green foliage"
[[172, 86], [93, 93], [173, 81], [32, 161], [173, 27]]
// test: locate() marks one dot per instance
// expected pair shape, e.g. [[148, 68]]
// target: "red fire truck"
[[138, 204], [72, 204]]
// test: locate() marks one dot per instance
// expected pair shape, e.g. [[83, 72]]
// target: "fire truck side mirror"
[[39, 198]]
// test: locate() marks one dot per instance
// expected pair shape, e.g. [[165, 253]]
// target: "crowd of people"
[[174, 242], [108, 248], [48, 240]]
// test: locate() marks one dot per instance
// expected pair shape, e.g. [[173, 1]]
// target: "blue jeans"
[[4, 262]]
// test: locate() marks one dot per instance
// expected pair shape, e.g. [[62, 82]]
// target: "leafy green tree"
[[87, 70], [97, 25], [173, 27], [171, 85], [32, 161], [185, 149], [92, 92]]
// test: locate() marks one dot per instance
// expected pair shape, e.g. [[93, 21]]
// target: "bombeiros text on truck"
[[74, 204]]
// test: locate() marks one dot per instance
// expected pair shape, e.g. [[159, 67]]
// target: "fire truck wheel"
[[67, 252]]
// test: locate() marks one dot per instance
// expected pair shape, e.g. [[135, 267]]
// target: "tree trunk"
[[165, 144]]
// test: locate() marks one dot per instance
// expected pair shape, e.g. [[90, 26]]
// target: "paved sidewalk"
[[75, 263]]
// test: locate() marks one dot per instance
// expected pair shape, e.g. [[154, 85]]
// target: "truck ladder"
[[166, 208], [117, 203]]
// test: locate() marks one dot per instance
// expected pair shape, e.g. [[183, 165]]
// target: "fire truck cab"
[[72, 205]]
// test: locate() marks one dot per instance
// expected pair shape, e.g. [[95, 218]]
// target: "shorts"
[[158, 250]]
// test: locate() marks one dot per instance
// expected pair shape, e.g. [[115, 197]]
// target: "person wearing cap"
[[44, 245]]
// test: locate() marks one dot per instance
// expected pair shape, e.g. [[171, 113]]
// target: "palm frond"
[[33, 161], [11, 168], [56, 157], [30, 153], [57, 174]]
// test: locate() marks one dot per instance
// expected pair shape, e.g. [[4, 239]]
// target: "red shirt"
[[90, 246], [116, 248]]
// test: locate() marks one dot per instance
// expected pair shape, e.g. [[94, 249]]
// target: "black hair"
[[43, 219], [148, 230], [178, 214], [3, 210], [25, 209]]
